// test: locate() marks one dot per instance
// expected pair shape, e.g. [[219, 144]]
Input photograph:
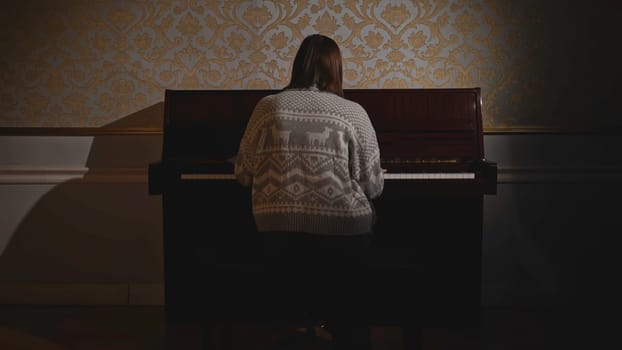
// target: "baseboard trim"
[[40, 175], [78, 175], [79, 293], [553, 175]]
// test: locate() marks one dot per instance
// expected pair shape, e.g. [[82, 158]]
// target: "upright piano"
[[427, 238]]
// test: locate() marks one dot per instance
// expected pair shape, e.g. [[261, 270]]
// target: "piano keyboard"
[[387, 176]]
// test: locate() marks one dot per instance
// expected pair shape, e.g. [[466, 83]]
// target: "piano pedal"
[[316, 331], [307, 337]]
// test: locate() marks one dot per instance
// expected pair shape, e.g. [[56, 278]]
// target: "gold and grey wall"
[[83, 63]]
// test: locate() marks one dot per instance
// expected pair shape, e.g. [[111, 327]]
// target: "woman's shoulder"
[[267, 102], [268, 98], [315, 101], [354, 105], [348, 106]]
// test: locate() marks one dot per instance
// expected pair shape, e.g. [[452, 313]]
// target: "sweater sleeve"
[[246, 158], [365, 153]]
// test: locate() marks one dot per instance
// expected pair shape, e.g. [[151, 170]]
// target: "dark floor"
[[121, 328]]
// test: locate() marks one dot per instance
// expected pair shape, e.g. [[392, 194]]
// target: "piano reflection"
[[427, 239]]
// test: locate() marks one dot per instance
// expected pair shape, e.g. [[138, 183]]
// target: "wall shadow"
[[102, 228]]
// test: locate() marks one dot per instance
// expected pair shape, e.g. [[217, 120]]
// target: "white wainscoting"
[[77, 225]]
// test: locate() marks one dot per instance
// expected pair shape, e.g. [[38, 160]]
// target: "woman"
[[312, 159]]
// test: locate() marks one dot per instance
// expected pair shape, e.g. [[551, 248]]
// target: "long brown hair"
[[318, 62]]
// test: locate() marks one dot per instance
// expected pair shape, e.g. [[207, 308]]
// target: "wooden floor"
[[134, 328]]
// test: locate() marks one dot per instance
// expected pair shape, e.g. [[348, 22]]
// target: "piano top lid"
[[410, 123]]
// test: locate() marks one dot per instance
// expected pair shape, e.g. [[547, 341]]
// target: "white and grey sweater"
[[313, 161]]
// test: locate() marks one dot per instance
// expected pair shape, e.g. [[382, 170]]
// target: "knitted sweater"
[[313, 161]]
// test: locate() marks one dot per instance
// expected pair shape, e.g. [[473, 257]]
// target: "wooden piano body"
[[427, 239]]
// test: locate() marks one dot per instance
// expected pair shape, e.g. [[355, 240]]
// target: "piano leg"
[[198, 336], [412, 337], [217, 336], [184, 335], [443, 338], [472, 339]]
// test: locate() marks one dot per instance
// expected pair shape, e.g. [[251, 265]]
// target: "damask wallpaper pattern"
[[87, 63]]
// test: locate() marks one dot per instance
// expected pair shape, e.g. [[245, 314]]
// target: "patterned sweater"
[[313, 161]]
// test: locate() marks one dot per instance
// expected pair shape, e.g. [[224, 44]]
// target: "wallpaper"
[[89, 63]]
